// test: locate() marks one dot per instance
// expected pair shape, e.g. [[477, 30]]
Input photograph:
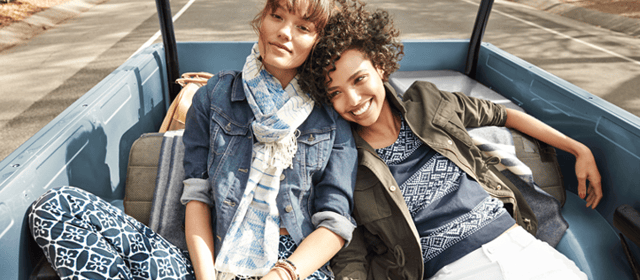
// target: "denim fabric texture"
[[316, 191]]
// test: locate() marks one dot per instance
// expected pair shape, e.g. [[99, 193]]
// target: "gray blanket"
[[498, 141], [167, 213]]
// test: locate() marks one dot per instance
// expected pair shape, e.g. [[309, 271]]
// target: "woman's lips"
[[362, 109]]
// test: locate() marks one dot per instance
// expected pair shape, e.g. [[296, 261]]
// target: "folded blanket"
[[498, 142], [167, 213]]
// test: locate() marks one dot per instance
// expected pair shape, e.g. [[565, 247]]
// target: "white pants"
[[516, 254]]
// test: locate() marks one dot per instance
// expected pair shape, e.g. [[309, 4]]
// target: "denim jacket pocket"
[[315, 149], [447, 120], [227, 170], [222, 129]]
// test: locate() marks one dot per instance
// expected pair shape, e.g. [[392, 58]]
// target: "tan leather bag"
[[177, 113]]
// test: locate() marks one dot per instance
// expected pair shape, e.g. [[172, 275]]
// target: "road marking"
[[562, 35], [157, 35]]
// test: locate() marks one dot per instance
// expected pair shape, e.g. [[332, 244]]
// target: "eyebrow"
[[292, 11], [353, 76]]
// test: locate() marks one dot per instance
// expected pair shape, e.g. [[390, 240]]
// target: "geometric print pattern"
[[85, 237], [451, 233], [437, 178], [404, 146]]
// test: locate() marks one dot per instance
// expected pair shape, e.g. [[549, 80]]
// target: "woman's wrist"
[[282, 273], [290, 269]]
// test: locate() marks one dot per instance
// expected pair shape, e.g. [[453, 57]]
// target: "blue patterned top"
[[453, 214]]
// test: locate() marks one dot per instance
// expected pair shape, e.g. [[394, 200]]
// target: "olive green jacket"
[[386, 244]]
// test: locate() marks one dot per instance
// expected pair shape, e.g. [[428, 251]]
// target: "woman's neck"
[[384, 131], [284, 76]]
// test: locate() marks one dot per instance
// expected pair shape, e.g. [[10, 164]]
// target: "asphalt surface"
[[20, 32], [42, 75]]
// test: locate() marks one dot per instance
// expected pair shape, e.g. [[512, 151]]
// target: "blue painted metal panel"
[[591, 242], [86, 146], [213, 58]]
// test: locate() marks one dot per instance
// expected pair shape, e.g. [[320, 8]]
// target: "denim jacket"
[[386, 243], [316, 191]]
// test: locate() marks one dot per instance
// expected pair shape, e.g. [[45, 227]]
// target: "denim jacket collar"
[[237, 91]]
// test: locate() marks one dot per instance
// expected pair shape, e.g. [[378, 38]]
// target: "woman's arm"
[[314, 251], [586, 168], [200, 239], [197, 192]]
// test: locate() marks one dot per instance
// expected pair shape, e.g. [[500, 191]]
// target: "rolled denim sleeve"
[[334, 192], [196, 147], [338, 224], [196, 189]]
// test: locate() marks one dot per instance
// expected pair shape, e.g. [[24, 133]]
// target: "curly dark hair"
[[354, 27]]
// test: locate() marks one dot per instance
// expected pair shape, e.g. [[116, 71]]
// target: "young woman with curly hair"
[[426, 203]]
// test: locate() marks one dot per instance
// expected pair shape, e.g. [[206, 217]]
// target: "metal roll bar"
[[476, 37], [170, 47]]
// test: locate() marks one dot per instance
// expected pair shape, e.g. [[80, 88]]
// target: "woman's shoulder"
[[324, 118], [221, 84], [224, 76], [325, 112], [425, 92], [218, 89]]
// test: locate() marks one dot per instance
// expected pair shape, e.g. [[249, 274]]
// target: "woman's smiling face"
[[356, 89]]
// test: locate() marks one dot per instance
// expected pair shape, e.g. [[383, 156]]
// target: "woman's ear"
[[381, 73]]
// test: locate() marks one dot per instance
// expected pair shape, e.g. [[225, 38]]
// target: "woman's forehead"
[[298, 7], [314, 11]]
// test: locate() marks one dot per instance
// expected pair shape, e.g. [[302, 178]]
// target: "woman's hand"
[[587, 170]]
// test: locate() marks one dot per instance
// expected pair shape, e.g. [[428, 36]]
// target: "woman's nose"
[[353, 97], [285, 31]]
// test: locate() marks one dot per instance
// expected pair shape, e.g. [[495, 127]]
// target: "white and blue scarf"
[[250, 247]]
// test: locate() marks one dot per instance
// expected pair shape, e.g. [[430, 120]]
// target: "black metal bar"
[[630, 258], [476, 37], [170, 48]]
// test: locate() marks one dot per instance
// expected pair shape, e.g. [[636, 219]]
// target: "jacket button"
[[450, 142], [228, 127], [282, 177], [311, 138], [288, 209], [392, 188]]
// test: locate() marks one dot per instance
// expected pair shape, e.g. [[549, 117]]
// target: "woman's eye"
[[276, 16], [359, 79], [304, 28], [333, 94]]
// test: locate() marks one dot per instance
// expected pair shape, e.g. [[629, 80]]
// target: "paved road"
[[49, 72]]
